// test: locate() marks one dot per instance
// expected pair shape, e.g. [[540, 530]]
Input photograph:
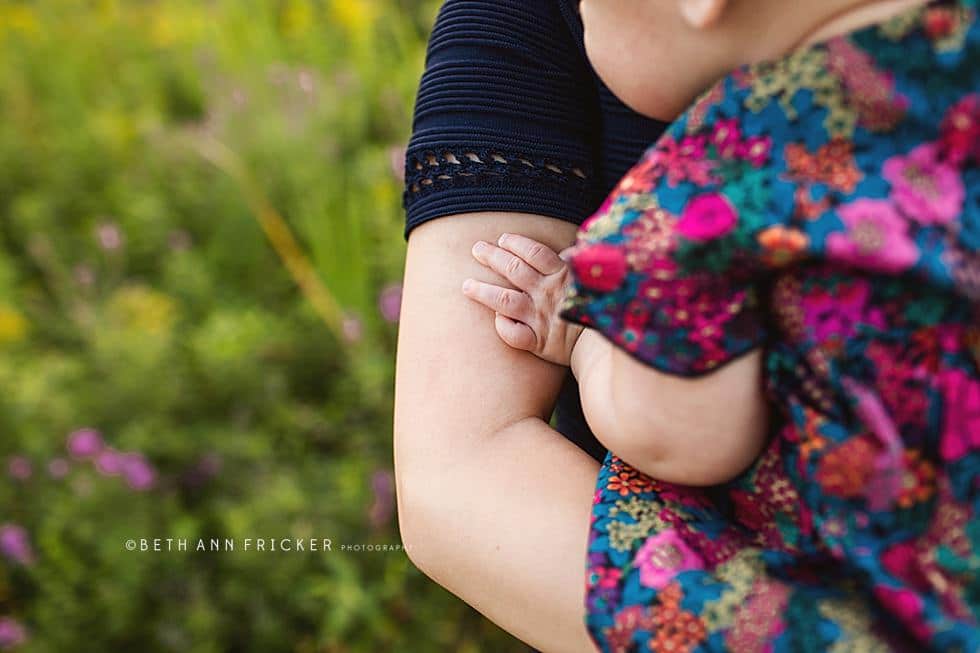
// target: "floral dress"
[[826, 208]]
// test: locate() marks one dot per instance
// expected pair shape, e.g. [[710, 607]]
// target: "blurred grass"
[[200, 241]]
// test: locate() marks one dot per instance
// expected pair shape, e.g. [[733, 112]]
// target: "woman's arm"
[[700, 431], [493, 504]]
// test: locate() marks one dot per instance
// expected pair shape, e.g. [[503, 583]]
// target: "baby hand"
[[527, 318]]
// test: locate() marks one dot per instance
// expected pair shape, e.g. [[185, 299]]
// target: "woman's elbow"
[[422, 495], [413, 495], [414, 537]]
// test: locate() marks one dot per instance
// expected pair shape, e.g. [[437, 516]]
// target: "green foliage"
[[144, 293]]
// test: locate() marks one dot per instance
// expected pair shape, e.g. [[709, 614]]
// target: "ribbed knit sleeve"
[[507, 116]]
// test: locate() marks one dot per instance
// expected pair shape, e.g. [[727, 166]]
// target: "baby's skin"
[[667, 427]]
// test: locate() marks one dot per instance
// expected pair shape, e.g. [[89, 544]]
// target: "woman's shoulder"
[[510, 116]]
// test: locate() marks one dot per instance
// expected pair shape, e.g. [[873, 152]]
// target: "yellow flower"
[[163, 29], [171, 25], [142, 309], [13, 325], [297, 17], [18, 18], [355, 16]]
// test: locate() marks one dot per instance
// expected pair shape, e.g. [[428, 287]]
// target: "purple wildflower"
[[352, 329], [203, 470], [58, 467], [383, 487], [84, 275], [12, 633], [109, 236], [109, 462], [390, 302], [19, 468], [139, 474], [85, 443], [15, 544]]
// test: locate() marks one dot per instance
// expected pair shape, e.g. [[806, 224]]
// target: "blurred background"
[[200, 250]]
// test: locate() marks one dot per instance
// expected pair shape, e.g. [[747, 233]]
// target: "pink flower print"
[[693, 147], [661, 270], [637, 315], [605, 577], [901, 560], [906, 606], [925, 188], [707, 217], [678, 314], [756, 150], [648, 238], [600, 267], [750, 511], [683, 495], [679, 161], [832, 319], [647, 173], [662, 557], [758, 621], [950, 339], [699, 110], [885, 483], [900, 382], [627, 621], [690, 163], [708, 334], [960, 130], [727, 137], [872, 90], [961, 414], [876, 237]]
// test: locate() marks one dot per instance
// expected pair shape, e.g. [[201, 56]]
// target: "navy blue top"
[[510, 116]]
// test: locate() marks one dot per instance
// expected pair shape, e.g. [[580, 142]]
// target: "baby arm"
[[699, 431]]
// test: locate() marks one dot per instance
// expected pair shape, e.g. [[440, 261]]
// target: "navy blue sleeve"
[[506, 118]]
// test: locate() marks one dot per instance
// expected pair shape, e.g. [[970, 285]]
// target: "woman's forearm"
[[493, 504], [506, 530]]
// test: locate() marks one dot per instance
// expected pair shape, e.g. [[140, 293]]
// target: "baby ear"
[[702, 14]]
